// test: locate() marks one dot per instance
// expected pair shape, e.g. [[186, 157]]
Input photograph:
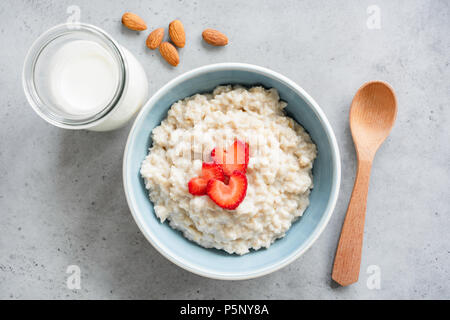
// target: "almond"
[[133, 21], [155, 38], [176, 33], [169, 53], [214, 37]]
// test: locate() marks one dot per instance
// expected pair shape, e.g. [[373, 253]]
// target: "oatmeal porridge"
[[271, 185]]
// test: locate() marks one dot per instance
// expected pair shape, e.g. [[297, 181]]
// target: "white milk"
[[84, 77], [133, 98]]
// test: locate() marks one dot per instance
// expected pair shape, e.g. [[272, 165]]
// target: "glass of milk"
[[76, 76]]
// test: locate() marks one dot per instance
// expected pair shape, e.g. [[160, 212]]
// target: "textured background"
[[61, 196]]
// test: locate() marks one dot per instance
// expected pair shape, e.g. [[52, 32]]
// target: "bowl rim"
[[208, 273]]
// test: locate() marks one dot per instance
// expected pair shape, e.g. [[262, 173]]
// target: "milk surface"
[[83, 77]]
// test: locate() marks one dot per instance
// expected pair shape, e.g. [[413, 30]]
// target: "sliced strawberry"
[[197, 185], [235, 157], [212, 171], [228, 196]]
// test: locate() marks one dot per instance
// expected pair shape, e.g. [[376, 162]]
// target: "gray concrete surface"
[[61, 197]]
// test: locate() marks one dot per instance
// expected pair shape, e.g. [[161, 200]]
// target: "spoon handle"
[[348, 256]]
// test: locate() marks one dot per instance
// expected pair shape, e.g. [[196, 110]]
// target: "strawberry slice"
[[212, 171], [235, 157], [228, 196], [197, 185]]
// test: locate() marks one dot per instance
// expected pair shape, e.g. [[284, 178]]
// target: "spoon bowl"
[[372, 115]]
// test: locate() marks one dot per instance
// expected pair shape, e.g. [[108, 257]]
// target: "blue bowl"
[[214, 263]]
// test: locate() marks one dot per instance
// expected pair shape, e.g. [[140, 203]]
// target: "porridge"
[[247, 204]]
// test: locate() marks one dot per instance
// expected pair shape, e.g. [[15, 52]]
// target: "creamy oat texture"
[[279, 171]]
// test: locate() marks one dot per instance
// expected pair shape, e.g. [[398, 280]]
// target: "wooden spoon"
[[372, 115]]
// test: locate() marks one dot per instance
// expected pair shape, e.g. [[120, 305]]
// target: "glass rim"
[[32, 57]]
